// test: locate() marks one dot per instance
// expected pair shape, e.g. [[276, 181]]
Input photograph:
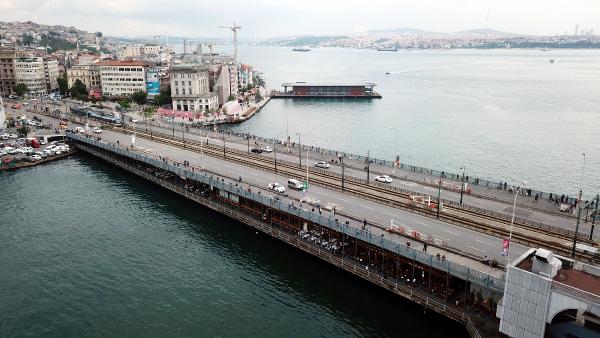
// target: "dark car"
[[256, 150]]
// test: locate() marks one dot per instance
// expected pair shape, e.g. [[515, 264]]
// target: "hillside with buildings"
[[415, 38], [42, 59]]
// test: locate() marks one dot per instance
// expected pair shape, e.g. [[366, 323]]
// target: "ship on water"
[[387, 49], [301, 49]]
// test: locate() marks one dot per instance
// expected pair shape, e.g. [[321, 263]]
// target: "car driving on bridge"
[[383, 179], [322, 164], [276, 187]]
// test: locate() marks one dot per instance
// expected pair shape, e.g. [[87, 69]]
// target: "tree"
[[21, 89], [149, 111], [27, 39], [125, 104], [23, 131], [231, 98], [78, 90], [139, 97], [258, 97], [63, 85], [164, 97]]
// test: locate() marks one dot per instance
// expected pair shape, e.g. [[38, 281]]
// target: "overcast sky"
[[271, 18]]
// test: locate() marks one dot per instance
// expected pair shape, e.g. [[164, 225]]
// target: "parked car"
[[10, 150], [276, 187], [35, 157], [256, 150], [267, 149], [4, 136], [383, 179], [79, 130], [322, 164]]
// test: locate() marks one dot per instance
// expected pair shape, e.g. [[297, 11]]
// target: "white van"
[[295, 184]]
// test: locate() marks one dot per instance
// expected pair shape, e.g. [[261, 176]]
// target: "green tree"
[[258, 97], [23, 131], [164, 97], [139, 97], [21, 89], [78, 90], [231, 98], [26, 39], [149, 112], [63, 85], [125, 104]]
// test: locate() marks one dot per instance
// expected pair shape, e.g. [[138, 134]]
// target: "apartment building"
[[88, 74], [190, 88], [122, 77], [8, 79], [39, 75]]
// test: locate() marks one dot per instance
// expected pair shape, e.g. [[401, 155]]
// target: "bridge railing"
[[455, 269], [478, 181]]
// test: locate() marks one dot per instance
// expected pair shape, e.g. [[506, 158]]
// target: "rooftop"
[[572, 273], [306, 84], [123, 63]]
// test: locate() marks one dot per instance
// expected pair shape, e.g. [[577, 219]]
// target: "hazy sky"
[[269, 18]]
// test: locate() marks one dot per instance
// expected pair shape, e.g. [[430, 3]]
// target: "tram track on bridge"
[[460, 217]]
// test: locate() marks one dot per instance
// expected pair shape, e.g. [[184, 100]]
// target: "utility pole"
[[437, 214], [462, 186], [248, 139], [595, 215], [223, 143], [275, 155], [342, 160], [368, 166], [299, 152], [578, 208]]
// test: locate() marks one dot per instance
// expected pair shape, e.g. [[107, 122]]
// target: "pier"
[[315, 90]]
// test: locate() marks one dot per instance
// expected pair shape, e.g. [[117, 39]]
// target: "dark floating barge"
[[311, 90]]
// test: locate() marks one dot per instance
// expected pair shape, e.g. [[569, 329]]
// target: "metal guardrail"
[[575, 292], [458, 270], [503, 216], [496, 184]]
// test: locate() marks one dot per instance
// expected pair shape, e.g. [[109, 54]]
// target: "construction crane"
[[234, 29]]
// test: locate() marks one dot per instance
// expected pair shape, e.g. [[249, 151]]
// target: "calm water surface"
[[504, 114], [87, 250]]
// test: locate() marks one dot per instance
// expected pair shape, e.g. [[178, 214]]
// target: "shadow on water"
[[369, 309]]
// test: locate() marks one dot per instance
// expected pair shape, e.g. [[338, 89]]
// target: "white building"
[[122, 77], [39, 75], [190, 90]]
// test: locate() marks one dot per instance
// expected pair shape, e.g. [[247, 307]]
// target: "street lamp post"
[[595, 215], [462, 186], [512, 221], [275, 155], [223, 143], [437, 214], [578, 208], [299, 151], [396, 151]]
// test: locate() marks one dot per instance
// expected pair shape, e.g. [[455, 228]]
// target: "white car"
[[13, 135], [322, 164], [276, 187], [4, 136], [36, 157], [79, 130], [383, 179], [10, 150], [267, 149], [97, 130]]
